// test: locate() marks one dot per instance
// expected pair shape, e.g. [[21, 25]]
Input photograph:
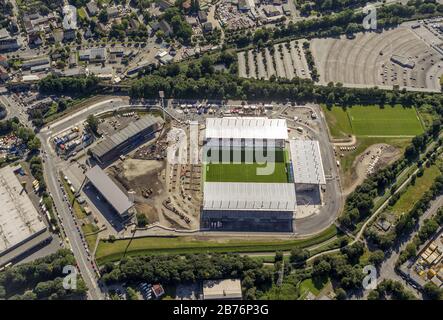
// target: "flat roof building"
[[265, 207], [307, 162], [109, 190], [246, 128], [249, 196], [20, 223], [227, 289], [126, 139]]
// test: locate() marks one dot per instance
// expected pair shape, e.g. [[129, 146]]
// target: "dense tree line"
[[13, 126], [68, 85], [198, 78], [327, 6], [343, 268], [40, 279], [174, 269], [182, 31], [336, 24], [390, 289]]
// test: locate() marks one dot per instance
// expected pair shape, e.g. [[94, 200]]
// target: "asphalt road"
[[84, 265], [15, 109], [333, 204]]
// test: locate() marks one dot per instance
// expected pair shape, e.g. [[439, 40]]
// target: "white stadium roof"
[[306, 162], [246, 128], [249, 196]]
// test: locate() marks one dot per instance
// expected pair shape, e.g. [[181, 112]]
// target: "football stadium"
[[251, 174]]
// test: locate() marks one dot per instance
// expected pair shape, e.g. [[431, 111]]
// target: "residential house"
[[92, 8], [202, 16]]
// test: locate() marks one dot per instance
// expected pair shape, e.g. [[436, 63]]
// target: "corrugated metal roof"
[[246, 128], [121, 136], [249, 196], [109, 190], [307, 162]]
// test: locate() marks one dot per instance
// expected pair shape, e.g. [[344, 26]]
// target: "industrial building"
[[21, 226], [113, 195], [227, 289], [126, 139]]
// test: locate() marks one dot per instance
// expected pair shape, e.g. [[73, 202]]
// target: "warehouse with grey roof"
[[115, 197], [125, 140], [21, 226]]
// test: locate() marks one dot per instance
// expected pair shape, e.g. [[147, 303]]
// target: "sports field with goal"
[[374, 121]]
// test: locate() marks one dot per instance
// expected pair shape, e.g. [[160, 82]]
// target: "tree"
[[278, 256], [92, 122], [34, 144], [374, 295], [298, 255], [142, 221], [103, 16], [131, 294], [376, 257], [321, 269], [340, 294], [432, 291]]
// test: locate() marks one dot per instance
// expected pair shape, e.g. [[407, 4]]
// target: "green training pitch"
[[367, 121], [241, 172]]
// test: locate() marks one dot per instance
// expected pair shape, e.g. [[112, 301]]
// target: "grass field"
[[220, 172], [90, 236], [113, 251], [228, 170], [414, 192], [373, 121]]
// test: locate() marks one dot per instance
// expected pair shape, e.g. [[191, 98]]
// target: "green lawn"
[[272, 172], [414, 192], [312, 285], [367, 121], [338, 122], [91, 239], [112, 251]]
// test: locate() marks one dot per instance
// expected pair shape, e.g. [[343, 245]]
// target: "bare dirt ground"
[[149, 211], [372, 159], [145, 178], [134, 168]]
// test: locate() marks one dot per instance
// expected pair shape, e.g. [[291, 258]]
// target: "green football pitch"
[[272, 172], [373, 121], [246, 167]]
